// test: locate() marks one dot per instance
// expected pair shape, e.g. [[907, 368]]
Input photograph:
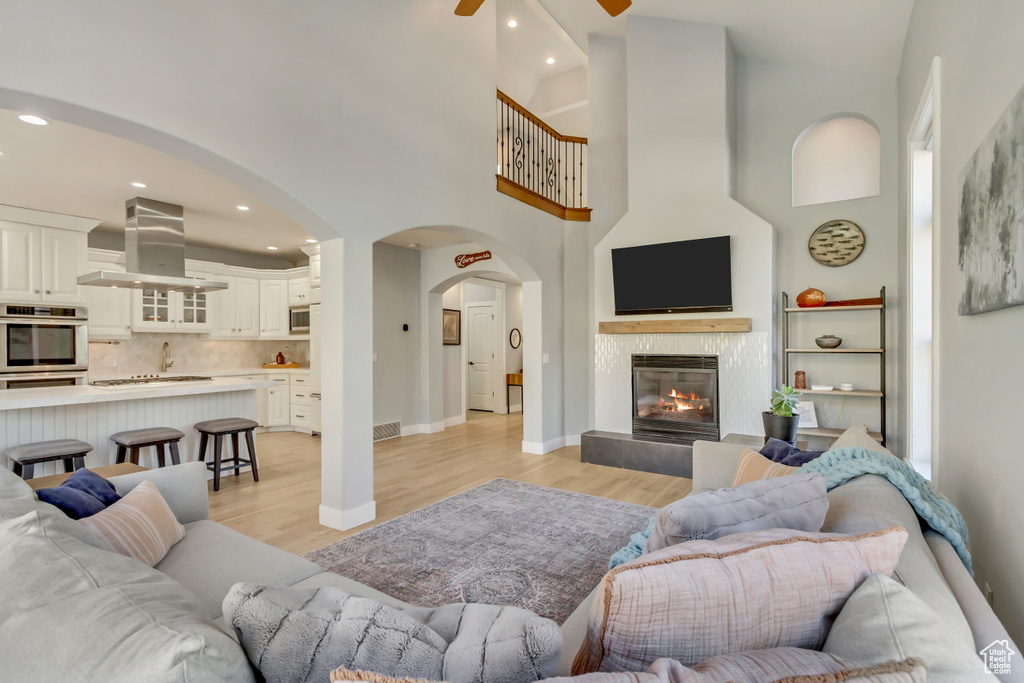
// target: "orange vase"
[[810, 298]]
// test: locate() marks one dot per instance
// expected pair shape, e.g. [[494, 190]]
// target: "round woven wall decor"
[[836, 243]]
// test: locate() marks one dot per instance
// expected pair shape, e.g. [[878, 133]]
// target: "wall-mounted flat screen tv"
[[674, 277]]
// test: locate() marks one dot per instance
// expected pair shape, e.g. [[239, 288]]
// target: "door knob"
[[472, 363]]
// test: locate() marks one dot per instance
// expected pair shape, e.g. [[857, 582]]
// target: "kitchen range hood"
[[154, 248]]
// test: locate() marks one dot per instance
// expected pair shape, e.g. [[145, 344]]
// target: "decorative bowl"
[[810, 298], [828, 341]]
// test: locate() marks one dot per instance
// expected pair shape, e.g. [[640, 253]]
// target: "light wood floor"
[[410, 472]]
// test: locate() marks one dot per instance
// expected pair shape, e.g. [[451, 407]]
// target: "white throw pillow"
[[858, 436]]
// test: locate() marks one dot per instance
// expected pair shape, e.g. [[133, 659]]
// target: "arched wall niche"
[[836, 158]]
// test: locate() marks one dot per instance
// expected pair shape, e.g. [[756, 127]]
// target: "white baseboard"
[[515, 408], [572, 440], [542, 448], [348, 519], [434, 427], [409, 430], [452, 421]]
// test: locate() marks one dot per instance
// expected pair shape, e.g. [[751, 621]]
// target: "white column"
[[346, 459], [431, 362]]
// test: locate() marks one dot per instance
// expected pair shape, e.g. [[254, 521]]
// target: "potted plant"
[[781, 421]]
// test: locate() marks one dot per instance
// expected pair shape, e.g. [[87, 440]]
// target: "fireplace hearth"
[[675, 398]]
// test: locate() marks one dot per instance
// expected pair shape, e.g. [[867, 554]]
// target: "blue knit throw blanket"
[[843, 464], [840, 466]]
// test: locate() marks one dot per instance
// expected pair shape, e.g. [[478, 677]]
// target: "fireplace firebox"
[[676, 397]]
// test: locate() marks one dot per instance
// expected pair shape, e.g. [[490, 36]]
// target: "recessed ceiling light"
[[551, 60], [272, 248], [311, 241], [414, 245], [138, 184], [138, 282], [1, 154], [34, 120], [242, 207], [512, 23]]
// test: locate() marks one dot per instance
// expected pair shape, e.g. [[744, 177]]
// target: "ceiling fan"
[[467, 8]]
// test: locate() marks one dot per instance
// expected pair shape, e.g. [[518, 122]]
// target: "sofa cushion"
[[747, 591], [795, 501], [871, 503], [778, 665], [212, 558], [13, 487], [859, 436], [73, 612], [883, 620], [140, 525], [754, 466]]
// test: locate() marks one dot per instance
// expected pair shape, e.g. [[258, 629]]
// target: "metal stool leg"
[[217, 439], [175, 457], [238, 455], [252, 454]]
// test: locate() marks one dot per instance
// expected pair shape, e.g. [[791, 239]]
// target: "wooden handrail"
[[533, 119]]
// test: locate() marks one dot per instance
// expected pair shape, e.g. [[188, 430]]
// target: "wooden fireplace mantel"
[[675, 326]]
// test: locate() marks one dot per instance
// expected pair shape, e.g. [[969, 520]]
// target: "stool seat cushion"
[[47, 450], [228, 424], [137, 437]]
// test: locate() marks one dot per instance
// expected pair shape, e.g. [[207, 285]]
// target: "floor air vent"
[[388, 430]]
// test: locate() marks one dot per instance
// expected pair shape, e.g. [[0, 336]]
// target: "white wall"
[[776, 103], [453, 369], [396, 301], [979, 380]]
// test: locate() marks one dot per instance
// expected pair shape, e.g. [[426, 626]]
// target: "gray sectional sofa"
[[212, 558]]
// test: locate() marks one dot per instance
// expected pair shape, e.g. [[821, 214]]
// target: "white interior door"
[[481, 357]]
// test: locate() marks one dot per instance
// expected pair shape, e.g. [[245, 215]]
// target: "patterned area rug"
[[502, 543]]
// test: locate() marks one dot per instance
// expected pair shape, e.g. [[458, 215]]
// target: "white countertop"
[[17, 399]]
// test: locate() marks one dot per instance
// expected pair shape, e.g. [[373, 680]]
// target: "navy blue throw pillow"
[[72, 502], [93, 484], [784, 454], [83, 494]]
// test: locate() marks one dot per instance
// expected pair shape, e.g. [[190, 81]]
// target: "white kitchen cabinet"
[[316, 421], [278, 407], [314, 271], [235, 311], [110, 308], [155, 311], [41, 264], [301, 415], [273, 309], [64, 256], [314, 345], [298, 291]]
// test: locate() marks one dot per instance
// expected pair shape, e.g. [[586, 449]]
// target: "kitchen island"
[[92, 414]]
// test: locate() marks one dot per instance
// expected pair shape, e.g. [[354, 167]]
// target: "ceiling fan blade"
[[613, 7], [468, 8]]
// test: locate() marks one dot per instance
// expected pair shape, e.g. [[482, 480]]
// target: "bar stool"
[[218, 429], [130, 442], [26, 456]]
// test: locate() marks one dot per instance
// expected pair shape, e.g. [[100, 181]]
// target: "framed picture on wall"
[[808, 417], [451, 326]]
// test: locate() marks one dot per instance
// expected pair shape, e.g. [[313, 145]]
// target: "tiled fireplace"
[[675, 397]]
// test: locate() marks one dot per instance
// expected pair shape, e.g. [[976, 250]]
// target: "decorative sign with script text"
[[463, 260]]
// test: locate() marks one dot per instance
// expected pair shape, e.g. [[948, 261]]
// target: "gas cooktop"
[[148, 379]]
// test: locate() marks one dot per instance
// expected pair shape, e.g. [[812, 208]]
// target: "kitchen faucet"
[[165, 357]]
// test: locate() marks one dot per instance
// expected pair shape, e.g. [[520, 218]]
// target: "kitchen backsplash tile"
[[141, 355]]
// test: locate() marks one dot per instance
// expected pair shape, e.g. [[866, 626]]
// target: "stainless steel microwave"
[[40, 338], [298, 320]]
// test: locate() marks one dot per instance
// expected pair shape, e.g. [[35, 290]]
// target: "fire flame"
[[682, 400]]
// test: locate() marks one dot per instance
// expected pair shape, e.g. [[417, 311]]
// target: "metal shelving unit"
[[880, 352]]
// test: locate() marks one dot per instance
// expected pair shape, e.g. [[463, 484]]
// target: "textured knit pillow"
[[796, 501], [858, 436], [140, 525], [749, 591], [754, 466]]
